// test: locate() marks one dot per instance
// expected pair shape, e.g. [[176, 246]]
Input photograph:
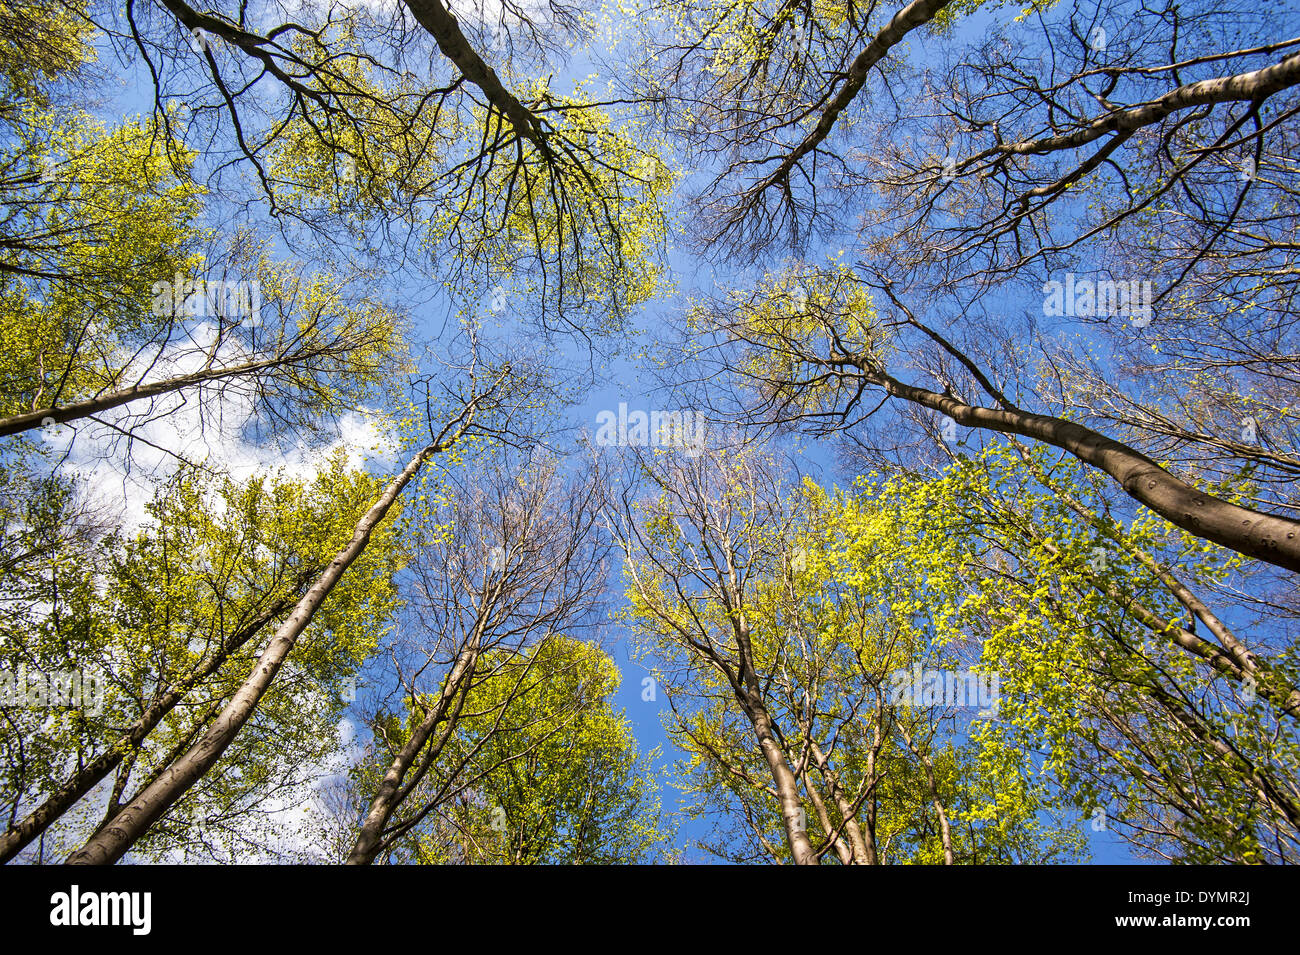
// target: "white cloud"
[[136, 445]]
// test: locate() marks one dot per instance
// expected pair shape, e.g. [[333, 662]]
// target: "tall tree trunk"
[[787, 787], [1265, 537], [751, 699], [841, 847], [110, 843], [945, 833], [60, 414], [915, 14], [441, 24], [20, 835], [385, 802], [862, 853]]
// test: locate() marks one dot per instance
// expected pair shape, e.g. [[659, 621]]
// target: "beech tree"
[[562, 221], [1116, 666], [109, 297], [163, 621], [809, 346], [974, 195], [129, 823], [358, 124], [507, 560], [780, 623], [546, 770]]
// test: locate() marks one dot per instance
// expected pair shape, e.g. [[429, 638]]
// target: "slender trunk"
[[1175, 586], [1246, 663], [181, 745], [842, 849], [861, 854], [1271, 792], [787, 787], [19, 836], [385, 802], [109, 844], [945, 833], [61, 414]]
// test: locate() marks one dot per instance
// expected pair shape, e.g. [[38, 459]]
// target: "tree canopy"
[[652, 432]]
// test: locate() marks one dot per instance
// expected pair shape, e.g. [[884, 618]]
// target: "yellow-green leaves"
[[804, 331], [558, 776], [39, 43], [102, 215], [187, 603], [565, 218]]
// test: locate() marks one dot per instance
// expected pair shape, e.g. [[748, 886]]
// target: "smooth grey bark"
[[110, 843], [841, 847], [441, 24], [1266, 537], [750, 697], [386, 798], [787, 787], [862, 853], [915, 14], [21, 834], [1241, 87], [61, 414]]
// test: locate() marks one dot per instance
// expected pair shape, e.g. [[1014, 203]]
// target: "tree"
[[1024, 273], [975, 196], [505, 561], [157, 625], [556, 777], [815, 363], [354, 122], [556, 183], [786, 623], [1159, 718], [131, 821]]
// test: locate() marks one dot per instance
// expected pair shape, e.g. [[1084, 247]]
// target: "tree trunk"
[[81, 409], [110, 843], [366, 846], [787, 787], [1266, 537], [441, 24], [61, 800]]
